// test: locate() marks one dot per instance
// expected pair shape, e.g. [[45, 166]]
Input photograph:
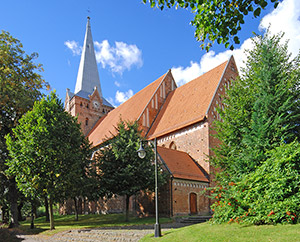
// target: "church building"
[[180, 118]]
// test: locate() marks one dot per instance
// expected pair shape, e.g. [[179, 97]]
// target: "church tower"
[[87, 101]]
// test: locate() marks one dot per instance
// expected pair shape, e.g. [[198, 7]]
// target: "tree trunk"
[[47, 209], [5, 214], [35, 210], [20, 218], [76, 208], [127, 208], [32, 216], [13, 198], [84, 206], [51, 214]]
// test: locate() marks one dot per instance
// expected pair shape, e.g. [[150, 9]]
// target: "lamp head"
[[141, 152]]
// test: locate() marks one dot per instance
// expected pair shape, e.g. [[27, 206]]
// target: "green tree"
[[261, 113], [261, 107], [20, 86], [48, 152], [217, 20], [268, 195], [121, 171], [84, 185]]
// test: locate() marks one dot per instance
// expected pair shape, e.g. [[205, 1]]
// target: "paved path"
[[106, 234]]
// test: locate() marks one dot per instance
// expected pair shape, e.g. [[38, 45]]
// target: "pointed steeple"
[[88, 76]]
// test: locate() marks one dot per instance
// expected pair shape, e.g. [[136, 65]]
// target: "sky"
[[134, 43]]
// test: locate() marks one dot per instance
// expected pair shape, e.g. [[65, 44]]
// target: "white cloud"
[[123, 96], [286, 18], [118, 84], [119, 58], [73, 46], [208, 61], [184, 75]]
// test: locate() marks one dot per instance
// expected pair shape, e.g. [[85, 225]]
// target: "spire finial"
[[89, 12]]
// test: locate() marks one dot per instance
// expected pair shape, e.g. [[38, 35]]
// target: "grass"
[[67, 222], [234, 232]]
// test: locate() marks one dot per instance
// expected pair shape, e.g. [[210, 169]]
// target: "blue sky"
[[134, 44]]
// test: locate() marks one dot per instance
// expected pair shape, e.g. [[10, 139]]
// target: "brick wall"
[[193, 140], [88, 114], [181, 190], [230, 74]]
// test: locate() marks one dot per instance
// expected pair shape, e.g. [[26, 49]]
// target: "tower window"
[[86, 121], [80, 104]]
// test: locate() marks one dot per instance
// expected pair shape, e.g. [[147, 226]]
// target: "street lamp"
[[142, 154]]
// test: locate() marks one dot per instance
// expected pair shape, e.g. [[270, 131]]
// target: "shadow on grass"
[[27, 230], [92, 221], [15, 234]]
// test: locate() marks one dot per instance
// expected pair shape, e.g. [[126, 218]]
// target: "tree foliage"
[[260, 120], [20, 86], [217, 20], [121, 171], [268, 195], [49, 152]]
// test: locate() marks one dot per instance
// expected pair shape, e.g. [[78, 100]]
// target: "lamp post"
[[142, 154]]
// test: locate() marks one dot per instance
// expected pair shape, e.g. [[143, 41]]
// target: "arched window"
[[173, 146], [86, 121]]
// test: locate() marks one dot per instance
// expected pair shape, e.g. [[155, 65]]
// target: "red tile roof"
[[128, 111], [187, 104], [181, 165]]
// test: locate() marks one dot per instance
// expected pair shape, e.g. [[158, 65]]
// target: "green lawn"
[[67, 222], [230, 233]]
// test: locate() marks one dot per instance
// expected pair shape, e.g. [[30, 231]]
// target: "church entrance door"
[[193, 203]]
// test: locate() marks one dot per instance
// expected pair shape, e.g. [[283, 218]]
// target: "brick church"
[[180, 118]]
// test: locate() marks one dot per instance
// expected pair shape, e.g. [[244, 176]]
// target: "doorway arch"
[[193, 203]]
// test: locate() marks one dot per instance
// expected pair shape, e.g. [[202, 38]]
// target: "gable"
[[187, 104], [142, 107]]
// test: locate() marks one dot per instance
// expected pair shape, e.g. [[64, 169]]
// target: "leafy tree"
[[121, 171], [48, 152], [261, 114], [269, 195], [84, 185], [20, 86], [217, 20]]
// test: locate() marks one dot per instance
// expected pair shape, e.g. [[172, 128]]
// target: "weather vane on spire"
[[89, 12]]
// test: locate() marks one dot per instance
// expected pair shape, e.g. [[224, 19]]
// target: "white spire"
[[88, 76]]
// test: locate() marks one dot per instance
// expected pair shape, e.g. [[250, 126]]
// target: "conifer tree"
[[259, 135], [262, 107]]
